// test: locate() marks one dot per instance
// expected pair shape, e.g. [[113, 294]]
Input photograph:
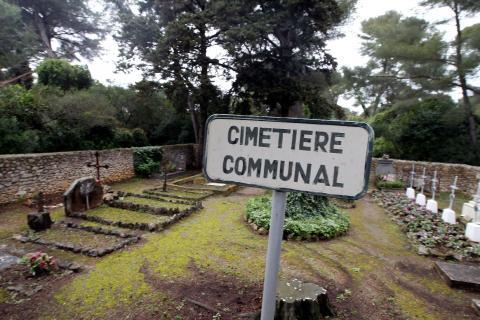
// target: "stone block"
[[459, 275]]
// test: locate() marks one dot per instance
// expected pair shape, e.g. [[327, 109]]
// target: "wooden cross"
[[97, 165]]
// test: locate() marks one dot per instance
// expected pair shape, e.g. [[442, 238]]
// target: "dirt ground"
[[211, 262]]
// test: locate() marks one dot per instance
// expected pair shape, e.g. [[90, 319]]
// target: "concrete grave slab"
[[459, 275]]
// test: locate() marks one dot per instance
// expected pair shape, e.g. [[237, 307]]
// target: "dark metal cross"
[[97, 165], [40, 202]]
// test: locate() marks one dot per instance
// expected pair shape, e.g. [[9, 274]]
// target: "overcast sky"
[[346, 49]]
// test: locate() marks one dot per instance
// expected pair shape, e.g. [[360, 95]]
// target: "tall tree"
[[65, 28], [406, 63], [173, 38], [466, 56], [278, 49]]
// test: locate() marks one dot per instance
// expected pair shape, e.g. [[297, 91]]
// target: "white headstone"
[[410, 191], [421, 200], [472, 232], [448, 215]]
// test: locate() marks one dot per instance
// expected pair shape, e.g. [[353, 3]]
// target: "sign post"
[[329, 158]]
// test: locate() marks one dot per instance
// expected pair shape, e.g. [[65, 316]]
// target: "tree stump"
[[297, 300]]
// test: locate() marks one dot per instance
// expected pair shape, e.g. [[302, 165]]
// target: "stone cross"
[[412, 175], [97, 165], [434, 184], [422, 181], [452, 194]]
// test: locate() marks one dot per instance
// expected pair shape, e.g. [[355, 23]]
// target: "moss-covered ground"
[[78, 237], [156, 203], [370, 273], [127, 216]]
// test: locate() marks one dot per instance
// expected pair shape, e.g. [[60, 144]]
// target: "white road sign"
[[289, 154]]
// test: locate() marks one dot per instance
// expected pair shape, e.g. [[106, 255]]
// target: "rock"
[[423, 251], [39, 221], [75, 267]]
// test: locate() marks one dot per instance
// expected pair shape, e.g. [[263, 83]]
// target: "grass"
[[13, 219], [215, 239], [115, 214], [78, 237], [156, 203]]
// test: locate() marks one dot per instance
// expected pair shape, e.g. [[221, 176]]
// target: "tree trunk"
[[298, 300], [472, 126], [42, 32], [204, 94]]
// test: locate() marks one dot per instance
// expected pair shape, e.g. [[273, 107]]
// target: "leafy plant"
[[306, 216], [39, 263], [147, 160], [384, 184]]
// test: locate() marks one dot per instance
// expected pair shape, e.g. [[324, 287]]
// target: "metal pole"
[[275, 236]]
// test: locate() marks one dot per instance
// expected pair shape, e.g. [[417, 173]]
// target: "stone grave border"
[[155, 197], [152, 227], [125, 240], [154, 191], [179, 185], [149, 209]]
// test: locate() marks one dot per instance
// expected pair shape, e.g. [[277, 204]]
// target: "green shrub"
[[305, 216], [396, 184], [60, 73], [147, 160]]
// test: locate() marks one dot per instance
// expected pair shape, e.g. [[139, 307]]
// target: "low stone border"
[[125, 241], [145, 208], [155, 197], [134, 225], [98, 230], [153, 191]]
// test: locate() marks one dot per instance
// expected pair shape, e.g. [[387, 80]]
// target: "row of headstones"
[[470, 210]]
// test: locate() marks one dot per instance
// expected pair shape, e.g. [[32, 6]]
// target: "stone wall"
[[468, 176], [22, 175]]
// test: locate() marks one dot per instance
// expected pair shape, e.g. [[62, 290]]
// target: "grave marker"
[[97, 165], [448, 215], [472, 231], [421, 199], [330, 158], [411, 191], [432, 205]]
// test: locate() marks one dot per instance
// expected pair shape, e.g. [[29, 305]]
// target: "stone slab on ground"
[[476, 305], [7, 260], [459, 275]]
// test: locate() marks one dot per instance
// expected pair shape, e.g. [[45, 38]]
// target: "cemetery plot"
[[87, 240], [427, 230], [199, 183], [129, 219], [191, 195]]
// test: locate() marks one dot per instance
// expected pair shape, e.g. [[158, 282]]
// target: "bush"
[[147, 160], [60, 73], [305, 216], [397, 184]]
